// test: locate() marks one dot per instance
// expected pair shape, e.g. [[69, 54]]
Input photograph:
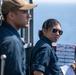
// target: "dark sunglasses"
[[57, 30]]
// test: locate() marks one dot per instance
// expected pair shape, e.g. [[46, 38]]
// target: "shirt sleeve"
[[42, 59], [13, 63]]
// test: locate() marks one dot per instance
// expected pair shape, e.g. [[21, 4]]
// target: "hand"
[[73, 65], [38, 73]]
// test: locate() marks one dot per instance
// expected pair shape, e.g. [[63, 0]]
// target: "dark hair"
[[6, 14], [48, 24]]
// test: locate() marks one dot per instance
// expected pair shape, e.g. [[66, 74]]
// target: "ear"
[[11, 15], [44, 31]]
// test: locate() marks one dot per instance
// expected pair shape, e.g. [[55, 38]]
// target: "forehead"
[[26, 11], [57, 27]]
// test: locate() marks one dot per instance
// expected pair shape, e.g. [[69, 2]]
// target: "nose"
[[29, 17], [57, 33]]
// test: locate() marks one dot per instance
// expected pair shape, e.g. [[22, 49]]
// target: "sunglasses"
[[57, 30]]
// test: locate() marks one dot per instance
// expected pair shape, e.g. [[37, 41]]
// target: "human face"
[[21, 19], [53, 35]]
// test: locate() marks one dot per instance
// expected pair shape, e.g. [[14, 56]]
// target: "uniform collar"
[[8, 26], [47, 40]]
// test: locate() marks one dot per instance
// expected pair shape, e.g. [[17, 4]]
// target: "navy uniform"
[[12, 46], [44, 58]]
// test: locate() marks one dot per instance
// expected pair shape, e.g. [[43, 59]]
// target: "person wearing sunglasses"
[[43, 57]]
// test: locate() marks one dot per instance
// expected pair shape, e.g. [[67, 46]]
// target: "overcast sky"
[[54, 1]]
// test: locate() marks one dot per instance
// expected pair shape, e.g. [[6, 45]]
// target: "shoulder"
[[42, 43], [42, 46], [10, 41], [10, 45]]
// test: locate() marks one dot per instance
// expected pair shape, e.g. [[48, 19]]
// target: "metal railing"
[[1, 17], [2, 57]]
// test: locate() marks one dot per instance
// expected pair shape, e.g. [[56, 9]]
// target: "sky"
[[54, 1], [62, 10]]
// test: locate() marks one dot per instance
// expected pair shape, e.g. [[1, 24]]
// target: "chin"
[[55, 40], [26, 26]]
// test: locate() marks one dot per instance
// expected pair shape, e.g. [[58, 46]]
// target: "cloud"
[[54, 1]]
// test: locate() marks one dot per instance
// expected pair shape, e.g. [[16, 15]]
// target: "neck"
[[12, 24]]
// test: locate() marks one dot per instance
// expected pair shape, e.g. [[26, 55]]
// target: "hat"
[[16, 4]]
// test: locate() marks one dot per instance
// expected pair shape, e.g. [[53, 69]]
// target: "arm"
[[41, 60], [14, 58]]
